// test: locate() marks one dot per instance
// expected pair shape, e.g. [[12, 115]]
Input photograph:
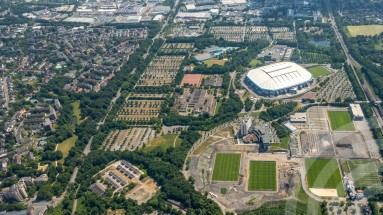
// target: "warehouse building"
[[278, 79]]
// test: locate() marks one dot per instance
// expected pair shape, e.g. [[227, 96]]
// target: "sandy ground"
[[324, 192]]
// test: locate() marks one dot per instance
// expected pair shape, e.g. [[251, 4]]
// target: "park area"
[[364, 173], [340, 121], [262, 176], [226, 167], [164, 142], [65, 146], [254, 63], [318, 71], [77, 111], [365, 30], [324, 174]]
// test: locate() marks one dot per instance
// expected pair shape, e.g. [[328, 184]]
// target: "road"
[[368, 93], [87, 148]]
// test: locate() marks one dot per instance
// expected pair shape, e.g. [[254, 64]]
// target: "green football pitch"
[[226, 167], [341, 121], [324, 173], [262, 176], [318, 71], [364, 172]]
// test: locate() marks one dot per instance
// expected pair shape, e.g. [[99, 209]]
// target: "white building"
[[278, 78], [193, 16], [233, 2], [298, 118], [245, 126], [356, 112]]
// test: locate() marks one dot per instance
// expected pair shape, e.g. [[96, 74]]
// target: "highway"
[[368, 93]]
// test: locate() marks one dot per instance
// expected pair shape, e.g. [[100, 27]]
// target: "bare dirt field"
[[317, 143], [317, 118], [324, 192], [350, 145], [143, 191]]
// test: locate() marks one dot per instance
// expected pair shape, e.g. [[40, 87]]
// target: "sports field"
[[324, 173], [318, 71], [226, 167], [364, 172], [262, 176], [341, 121], [365, 30]]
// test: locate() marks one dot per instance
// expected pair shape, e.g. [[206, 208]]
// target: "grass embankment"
[[164, 141]]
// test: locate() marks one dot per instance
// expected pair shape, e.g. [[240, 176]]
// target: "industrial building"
[[278, 79], [356, 112]]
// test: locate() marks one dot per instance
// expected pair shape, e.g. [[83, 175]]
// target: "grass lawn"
[[318, 71], [254, 63], [81, 209], [164, 141], [226, 167], [311, 204], [262, 176], [284, 144], [340, 121], [65, 146], [379, 46], [205, 144], [366, 30], [324, 173], [364, 173], [211, 62], [77, 111], [219, 104]]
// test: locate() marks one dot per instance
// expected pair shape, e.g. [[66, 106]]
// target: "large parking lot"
[[338, 86], [129, 139]]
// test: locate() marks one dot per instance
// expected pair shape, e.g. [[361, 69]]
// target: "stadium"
[[278, 79]]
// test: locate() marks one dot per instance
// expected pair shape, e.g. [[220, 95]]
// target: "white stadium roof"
[[279, 76]]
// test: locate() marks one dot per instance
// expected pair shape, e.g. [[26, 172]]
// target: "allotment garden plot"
[[175, 48], [161, 71], [262, 176], [128, 139], [226, 167], [323, 177], [137, 110]]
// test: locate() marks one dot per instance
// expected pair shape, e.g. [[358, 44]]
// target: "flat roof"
[[356, 110], [279, 76]]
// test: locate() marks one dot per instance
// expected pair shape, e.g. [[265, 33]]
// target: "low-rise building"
[[356, 112]]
